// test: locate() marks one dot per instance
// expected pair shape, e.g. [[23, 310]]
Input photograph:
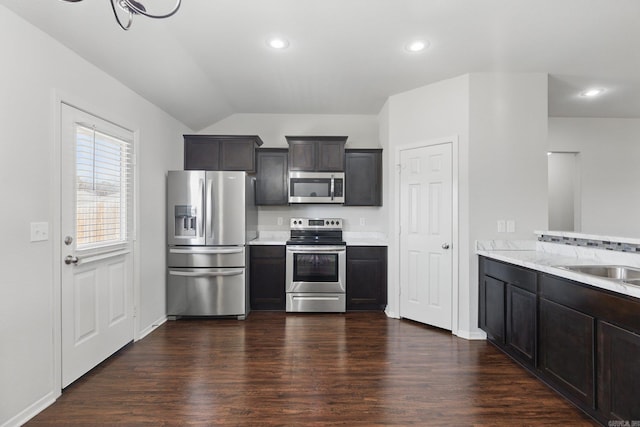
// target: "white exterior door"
[[96, 246], [426, 235]]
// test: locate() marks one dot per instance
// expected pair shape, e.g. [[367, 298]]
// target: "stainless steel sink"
[[616, 272]]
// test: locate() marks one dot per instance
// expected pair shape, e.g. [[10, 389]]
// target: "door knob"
[[445, 246], [70, 259]]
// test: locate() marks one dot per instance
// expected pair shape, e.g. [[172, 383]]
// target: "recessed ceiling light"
[[590, 93], [278, 43], [416, 46]]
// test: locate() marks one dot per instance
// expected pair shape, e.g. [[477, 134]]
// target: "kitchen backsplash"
[[354, 218], [595, 242]]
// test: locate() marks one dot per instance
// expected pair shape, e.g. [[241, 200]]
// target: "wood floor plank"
[[277, 369]]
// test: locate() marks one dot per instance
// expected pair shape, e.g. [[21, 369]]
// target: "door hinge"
[[135, 311]]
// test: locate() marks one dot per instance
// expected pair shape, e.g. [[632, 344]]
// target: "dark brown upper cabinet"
[[272, 186], [316, 153], [221, 152], [363, 177]]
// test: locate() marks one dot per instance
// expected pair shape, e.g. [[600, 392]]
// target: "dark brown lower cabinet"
[[618, 372], [567, 349], [492, 308], [521, 328], [581, 340], [366, 278], [267, 277]]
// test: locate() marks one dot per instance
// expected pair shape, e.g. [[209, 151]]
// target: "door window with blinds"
[[103, 188]]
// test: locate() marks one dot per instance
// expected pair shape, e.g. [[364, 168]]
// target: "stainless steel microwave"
[[316, 187]]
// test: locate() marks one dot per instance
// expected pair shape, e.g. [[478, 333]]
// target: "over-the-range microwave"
[[316, 187]]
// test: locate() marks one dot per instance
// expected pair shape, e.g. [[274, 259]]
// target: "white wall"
[[34, 69], [564, 191], [417, 116], [507, 163], [362, 132], [500, 121], [609, 155]]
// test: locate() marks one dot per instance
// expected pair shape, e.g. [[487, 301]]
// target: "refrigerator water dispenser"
[[185, 221]]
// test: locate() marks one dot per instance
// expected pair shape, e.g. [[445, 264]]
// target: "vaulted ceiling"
[[211, 58]]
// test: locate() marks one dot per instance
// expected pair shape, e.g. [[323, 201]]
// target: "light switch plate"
[[511, 226], [39, 231], [501, 226], [362, 222]]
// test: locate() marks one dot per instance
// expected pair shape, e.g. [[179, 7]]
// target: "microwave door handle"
[[332, 187]]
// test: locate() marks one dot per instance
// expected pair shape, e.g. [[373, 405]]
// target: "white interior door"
[[96, 246], [426, 234]]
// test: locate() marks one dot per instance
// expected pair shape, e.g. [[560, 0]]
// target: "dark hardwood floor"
[[311, 370]]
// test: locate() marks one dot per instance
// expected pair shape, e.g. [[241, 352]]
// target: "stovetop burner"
[[316, 231]]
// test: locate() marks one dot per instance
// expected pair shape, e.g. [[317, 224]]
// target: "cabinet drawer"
[[206, 256], [268, 251], [517, 276]]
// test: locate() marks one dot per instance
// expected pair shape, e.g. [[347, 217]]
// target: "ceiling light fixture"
[[132, 7], [416, 46], [278, 43], [590, 93]]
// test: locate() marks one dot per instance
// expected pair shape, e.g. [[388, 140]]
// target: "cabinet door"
[[330, 156], [520, 337], [492, 308], [272, 187], [302, 155], [201, 153], [363, 178], [618, 373], [237, 155], [366, 277], [267, 277], [567, 350]]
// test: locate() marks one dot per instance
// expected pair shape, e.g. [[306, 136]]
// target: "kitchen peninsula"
[[577, 332]]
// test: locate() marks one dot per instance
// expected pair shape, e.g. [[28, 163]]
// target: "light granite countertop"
[[550, 257]]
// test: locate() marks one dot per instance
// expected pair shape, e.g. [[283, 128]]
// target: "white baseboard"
[[154, 325], [32, 410], [469, 335], [391, 313]]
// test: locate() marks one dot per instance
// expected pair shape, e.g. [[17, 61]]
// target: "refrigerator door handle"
[[206, 273], [210, 208], [202, 200], [209, 251]]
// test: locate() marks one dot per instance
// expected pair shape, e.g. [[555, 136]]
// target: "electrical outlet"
[[362, 222], [39, 231], [511, 226], [279, 220], [502, 226]]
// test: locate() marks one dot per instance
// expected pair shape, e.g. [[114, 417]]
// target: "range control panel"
[[316, 223]]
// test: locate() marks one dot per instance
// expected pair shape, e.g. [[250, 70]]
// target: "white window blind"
[[103, 188]]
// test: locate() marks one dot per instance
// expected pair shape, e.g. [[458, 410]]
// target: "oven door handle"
[[316, 249]]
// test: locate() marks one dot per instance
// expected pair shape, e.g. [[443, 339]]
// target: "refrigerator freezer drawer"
[[316, 303], [206, 256], [206, 292]]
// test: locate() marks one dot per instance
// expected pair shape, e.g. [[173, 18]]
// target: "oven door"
[[316, 268]]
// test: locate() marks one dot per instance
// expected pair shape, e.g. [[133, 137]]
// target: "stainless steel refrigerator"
[[210, 218]]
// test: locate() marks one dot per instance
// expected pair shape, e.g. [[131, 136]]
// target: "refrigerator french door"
[[210, 217]]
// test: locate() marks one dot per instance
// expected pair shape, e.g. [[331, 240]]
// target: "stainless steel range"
[[316, 262]]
